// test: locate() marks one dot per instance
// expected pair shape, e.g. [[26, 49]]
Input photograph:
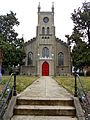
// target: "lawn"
[[22, 82], [68, 83]]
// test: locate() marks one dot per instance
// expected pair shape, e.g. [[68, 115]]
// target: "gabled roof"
[[62, 42], [30, 41]]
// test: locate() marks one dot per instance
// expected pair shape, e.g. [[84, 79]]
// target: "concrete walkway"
[[45, 87]]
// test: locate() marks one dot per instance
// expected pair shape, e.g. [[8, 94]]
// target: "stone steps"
[[45, 101], [45, 107], [25, 117], [44, 110]]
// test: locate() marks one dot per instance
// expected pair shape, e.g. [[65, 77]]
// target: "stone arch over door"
[[45, 69]]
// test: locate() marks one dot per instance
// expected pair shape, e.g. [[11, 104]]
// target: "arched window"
[[43, 30], [48, 30], [45, 52], [61, 59], [30, 58]]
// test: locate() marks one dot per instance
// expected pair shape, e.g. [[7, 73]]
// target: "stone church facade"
[[45, 54]]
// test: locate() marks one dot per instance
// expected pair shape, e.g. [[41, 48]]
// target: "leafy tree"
[[12, 47], [81, 20], [80, 37], [7, 23]]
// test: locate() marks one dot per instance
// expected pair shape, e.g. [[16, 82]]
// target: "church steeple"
[[39, 7], [53, 7]]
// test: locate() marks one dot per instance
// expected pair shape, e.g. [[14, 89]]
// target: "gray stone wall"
[[38, 60], [30, 47], [54, 45], [28, 70], [64, 48]]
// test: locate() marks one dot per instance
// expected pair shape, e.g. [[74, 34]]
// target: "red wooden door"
[[45, 69]]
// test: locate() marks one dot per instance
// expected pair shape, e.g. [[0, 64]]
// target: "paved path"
[[45, 87]]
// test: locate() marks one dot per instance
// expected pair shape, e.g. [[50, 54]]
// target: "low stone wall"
[[63, 71], [79, 110], [86, 71], [28, 70], [9, 111]]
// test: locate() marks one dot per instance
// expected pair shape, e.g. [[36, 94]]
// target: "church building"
[[46, 55]]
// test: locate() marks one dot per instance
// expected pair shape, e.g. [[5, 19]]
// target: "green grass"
[[68, 83], [22, 82], [65, 81]]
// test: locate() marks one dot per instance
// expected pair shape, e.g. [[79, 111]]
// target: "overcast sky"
[[26, 11]]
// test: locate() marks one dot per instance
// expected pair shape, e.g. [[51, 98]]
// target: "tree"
[[12, 47], [81, 20], [80, 37]]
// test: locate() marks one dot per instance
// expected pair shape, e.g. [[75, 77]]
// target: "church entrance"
[[45, 69]]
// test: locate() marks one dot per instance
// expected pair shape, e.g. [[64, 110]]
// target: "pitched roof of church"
[[62, 42], [57, 39], [30, 41]]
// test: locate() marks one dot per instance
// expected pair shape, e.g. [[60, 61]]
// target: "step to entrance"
[[45, 107], [45, 101], [44, 110], [20, 117]]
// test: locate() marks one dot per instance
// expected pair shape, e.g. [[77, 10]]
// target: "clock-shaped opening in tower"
[[45, 19]]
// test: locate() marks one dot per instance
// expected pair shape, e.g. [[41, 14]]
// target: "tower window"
[[48, 30], [45, 52], [60, 59], [43, 30], [42, 37], [30, 58]]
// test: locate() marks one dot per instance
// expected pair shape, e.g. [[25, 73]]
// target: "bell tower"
[[45, 35], [45, 22]]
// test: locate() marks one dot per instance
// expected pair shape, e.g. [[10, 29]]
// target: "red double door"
[[45, 69]]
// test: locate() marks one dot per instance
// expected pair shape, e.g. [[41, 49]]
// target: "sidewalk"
[[45, 87], [42, 89]]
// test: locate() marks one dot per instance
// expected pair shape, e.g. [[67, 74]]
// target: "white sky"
[[26, 11]]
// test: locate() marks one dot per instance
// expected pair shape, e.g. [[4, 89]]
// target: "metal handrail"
[[83, 96], [4, 100], [5, 88], [83, 89]]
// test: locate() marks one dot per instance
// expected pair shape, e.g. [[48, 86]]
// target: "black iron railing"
[[83, 96], [8, 92]]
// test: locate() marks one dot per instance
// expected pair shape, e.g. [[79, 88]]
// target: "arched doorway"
[[45, 69]]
